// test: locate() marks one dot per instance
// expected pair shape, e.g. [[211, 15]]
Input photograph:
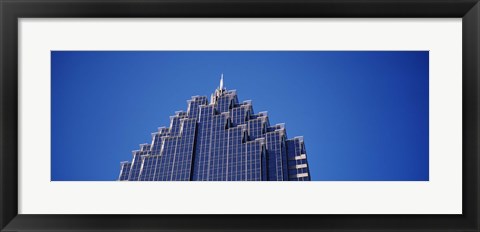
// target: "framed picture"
[[173, 115]]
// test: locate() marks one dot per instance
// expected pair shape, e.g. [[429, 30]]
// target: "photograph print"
[[224, 116]]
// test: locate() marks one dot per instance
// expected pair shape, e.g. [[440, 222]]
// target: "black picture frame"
[[12, 10]]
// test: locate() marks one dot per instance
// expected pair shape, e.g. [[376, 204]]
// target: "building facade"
[[220, 140]]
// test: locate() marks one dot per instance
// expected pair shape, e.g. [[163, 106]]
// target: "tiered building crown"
[[223, 140]]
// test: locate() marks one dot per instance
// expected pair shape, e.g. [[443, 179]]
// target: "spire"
[[221, 82]]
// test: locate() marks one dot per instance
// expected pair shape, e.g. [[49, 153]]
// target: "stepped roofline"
[[242, 128]]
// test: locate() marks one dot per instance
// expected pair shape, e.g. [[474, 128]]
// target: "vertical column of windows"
[[235, 137], [255, 128], [202, 150], [124, 171], [136, 165], [163, 161], [182, 162], [148, 169], [193, 106], [253, 157], [274, 156], [218, 151], [238, 115], [223, 103], [283, 152]]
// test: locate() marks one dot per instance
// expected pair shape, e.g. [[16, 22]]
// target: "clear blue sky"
[[364, 115]]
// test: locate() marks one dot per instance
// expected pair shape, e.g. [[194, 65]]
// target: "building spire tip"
[[221, 82]]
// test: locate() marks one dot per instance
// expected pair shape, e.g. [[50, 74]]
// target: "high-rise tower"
[[219, 141]]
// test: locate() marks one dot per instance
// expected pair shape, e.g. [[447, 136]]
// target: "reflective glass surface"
[[223, 140]]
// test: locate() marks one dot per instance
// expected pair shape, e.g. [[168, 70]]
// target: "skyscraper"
[[219, 141]]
